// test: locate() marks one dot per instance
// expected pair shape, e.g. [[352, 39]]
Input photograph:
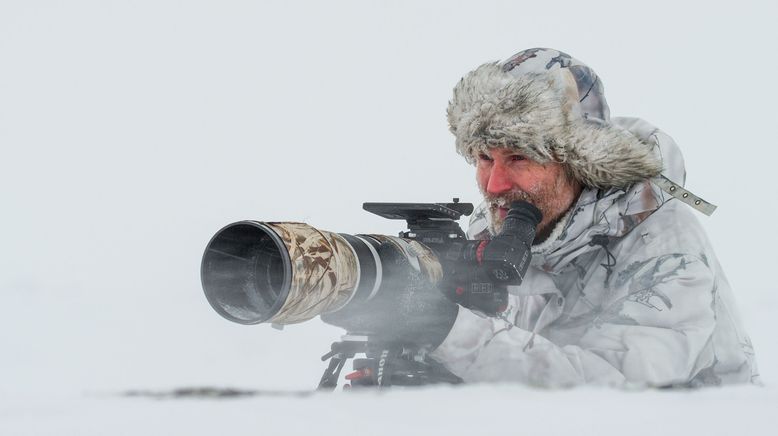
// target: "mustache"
[[505, 200]]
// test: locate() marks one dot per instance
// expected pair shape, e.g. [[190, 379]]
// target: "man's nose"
[[499, 182]]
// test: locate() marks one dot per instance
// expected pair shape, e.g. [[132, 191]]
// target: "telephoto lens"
[[254, 272]]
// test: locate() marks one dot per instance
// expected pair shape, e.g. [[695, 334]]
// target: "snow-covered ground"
[[445, 411], [131, 131], [67, 370]]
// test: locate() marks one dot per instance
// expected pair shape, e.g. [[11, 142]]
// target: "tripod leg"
[[329, 380]]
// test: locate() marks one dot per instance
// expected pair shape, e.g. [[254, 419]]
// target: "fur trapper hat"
[[552, 108]]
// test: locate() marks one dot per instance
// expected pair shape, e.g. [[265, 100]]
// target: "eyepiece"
[[521, 221], [526, 212]]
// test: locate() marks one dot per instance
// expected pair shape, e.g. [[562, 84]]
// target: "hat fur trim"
[[534, 115]]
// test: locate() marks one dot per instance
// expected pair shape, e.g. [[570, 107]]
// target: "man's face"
[[505, 175]]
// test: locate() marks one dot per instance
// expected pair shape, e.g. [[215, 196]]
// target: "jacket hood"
[[551, 107]]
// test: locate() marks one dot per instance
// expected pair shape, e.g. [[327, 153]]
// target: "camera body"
[[475, 274]]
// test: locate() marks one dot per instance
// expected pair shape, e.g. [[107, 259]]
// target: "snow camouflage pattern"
[[419, 257], [324, 271], [588, 91], [626, 291]]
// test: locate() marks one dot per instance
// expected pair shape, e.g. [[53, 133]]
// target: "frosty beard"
[[553, 201]]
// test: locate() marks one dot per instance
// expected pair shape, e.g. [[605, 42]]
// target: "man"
[[624, 287]]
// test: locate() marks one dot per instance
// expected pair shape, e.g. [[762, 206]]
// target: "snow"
[[443, 410], [131, 132]]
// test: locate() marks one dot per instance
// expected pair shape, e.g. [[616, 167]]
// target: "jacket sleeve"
[[656, 335]]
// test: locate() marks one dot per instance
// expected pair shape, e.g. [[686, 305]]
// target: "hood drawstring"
[[602, 241]]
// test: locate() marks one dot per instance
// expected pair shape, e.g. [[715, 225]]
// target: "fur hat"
[[551, 107]]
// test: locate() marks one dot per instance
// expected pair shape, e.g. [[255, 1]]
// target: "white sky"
[[130, 131]]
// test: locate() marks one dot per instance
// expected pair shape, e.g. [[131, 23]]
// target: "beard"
[[553, 201]]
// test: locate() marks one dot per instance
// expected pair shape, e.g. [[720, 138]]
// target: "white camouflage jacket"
[[628, 291]]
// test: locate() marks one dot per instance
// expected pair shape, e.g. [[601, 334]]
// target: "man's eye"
[[484, 156], [517, 157]]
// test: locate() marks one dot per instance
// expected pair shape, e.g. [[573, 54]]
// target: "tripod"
[[384, 364]]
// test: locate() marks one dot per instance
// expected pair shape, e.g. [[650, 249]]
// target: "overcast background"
[[131, 131]]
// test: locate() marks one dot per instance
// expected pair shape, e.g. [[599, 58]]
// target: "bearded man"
[[624, 287]]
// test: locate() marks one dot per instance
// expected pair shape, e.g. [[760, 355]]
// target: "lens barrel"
[[254, 272]]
